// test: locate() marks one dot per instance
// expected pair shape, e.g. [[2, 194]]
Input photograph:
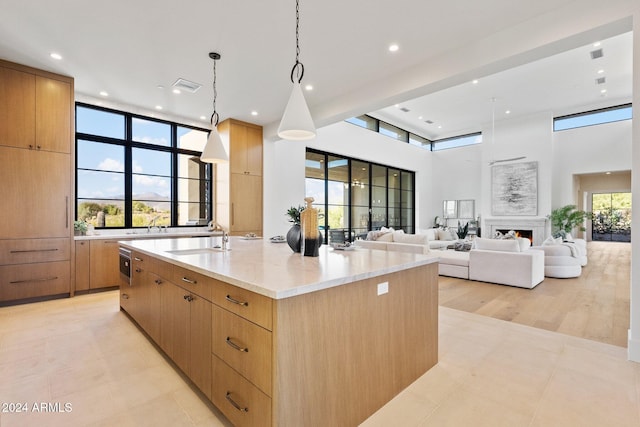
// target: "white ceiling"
[[129, 48]]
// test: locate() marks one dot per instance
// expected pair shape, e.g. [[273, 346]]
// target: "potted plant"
[[294, 234], [565, 219], [79, 228], [462, 230]]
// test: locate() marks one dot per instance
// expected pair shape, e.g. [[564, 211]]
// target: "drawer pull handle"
[[193, 282], [125, 296], [235, 405], [236, 346], [235, 301], [33, 250], [158, 281], [188, 298], [138, 270], [46, 279], [137, 259]]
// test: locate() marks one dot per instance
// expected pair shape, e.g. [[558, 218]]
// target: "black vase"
[[294, 237]]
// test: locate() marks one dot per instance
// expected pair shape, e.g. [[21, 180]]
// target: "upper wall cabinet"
[[245, 151], [34, 110]]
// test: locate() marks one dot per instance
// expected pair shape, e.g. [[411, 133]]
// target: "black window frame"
[[129, 144]]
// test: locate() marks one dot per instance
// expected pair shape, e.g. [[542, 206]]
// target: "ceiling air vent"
[[601, 80], [429, 122], [405, 109], [187, 85], [598, 53]]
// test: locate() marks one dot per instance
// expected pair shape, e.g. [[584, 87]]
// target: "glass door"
[[611, 217]]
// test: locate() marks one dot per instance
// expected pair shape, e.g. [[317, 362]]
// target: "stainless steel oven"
[[125, 266]]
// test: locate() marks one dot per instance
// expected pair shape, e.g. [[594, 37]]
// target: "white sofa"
[[397, 241], [439, 238], [507, 262]]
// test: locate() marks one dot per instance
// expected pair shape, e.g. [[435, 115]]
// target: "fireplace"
[[527, 234], [538, 227]]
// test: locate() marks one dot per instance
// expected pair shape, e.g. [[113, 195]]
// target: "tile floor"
[[84, 352]]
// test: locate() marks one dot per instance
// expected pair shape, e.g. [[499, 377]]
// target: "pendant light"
[[296, 123], [214, 151]]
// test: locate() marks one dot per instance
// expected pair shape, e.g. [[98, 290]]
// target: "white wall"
[[585, 150], [284, 168]]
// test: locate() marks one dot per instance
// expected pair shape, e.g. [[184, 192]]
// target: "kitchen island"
[[275, 338]]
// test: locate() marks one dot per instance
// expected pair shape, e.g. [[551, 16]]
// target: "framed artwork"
[[450, 208], [466, 209], [514, 189]]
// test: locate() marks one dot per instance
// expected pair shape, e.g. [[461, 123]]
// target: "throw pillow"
[[385, 237], [568, 238], [416, 239], [524, 243], [431, 233], [444, 234], [549, 241], [497, 245]]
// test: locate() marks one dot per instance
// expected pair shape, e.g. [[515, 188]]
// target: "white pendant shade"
[[214, 151], [296, 124]]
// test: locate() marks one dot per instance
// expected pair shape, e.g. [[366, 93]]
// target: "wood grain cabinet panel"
[[23, 251], [23, 281], [250, 305], [105, 264], [17, 108], [244, 346], [53, 117], [239, 400], [82, 265]]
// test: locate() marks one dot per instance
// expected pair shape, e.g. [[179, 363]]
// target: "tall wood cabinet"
[[239, 183], [36, 183]]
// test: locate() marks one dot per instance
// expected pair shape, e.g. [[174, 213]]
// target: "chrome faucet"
[[225, 240], [152, 224]]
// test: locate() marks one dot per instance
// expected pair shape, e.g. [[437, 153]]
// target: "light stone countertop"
[[273, 269], [142, 233]]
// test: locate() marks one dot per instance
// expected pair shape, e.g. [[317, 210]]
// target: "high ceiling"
[[130, 49]]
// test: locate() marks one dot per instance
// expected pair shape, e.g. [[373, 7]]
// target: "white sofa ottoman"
[[562, 267], [453, 263]]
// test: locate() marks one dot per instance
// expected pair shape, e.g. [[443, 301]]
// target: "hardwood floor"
[[594, 306]]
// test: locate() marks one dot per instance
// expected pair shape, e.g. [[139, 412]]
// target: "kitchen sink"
[[198, 251]]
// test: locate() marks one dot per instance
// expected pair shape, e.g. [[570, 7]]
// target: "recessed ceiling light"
[[55, 55], [397, 105], [603, 91], [308, 87], [203, 118], [160, 87], [104, 93], [393, 48], [607, 173], [254, 113], [177, 91], [419, 117], [508, 112], [600, 71], [596, 44], [439, 127], [158, 107], [475, 82]]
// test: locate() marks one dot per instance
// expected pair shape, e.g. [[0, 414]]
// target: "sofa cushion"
[[431, 233], [386, 237], [509, 245], [416, 239], [446, 235], [524, 243]]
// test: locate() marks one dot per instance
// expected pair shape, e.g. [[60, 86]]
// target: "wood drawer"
[[23, 251], [194, 282], [239, 400], [34, 280], [245, 346], [250, 305]]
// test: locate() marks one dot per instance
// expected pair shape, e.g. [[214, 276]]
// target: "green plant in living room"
[[565, 219], [462, 230], [294, 214]]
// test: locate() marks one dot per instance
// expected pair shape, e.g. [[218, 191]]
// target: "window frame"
[[129, 145], [592, 113]]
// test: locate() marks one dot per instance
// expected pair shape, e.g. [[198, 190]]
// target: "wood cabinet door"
[[82, 265], [175, 325], [35, 194], [200, 346], [237, 148], [53, 115], [105, 264], [17, 108], [246, 204], [254, 151]]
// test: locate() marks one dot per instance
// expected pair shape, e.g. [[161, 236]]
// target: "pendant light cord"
[[214, 116], [298, 65]]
